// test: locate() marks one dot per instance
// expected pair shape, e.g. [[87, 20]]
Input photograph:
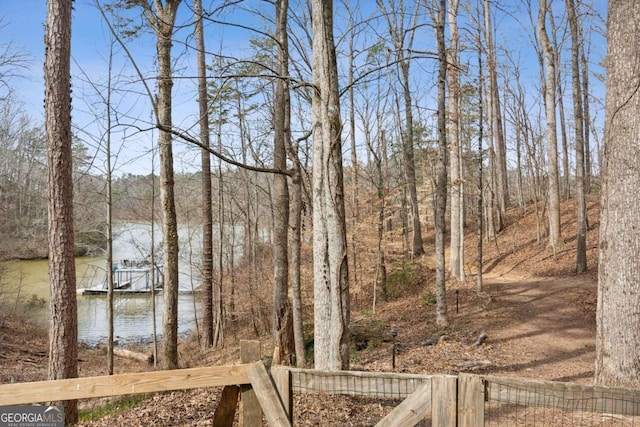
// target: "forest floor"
[[537, 314]]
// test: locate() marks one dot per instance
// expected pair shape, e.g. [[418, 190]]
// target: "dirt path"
[[536, 328], [543, 327]]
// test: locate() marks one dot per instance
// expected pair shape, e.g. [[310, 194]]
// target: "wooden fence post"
[[444, 389], [226, 410], [282, 378], [250, 411], [471, 395], [268, 396], [412, 409]]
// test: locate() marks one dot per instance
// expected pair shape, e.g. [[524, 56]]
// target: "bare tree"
[[296, 190], [282, 329], [618, 325], [441, 166], [456, 245], [555, 238], [584, 65], [565, 179], [480, 218], [207, 211], [11, 61], [109, 200], [402, 39], [499, 169], [161, 18], [355, 167], [581, 226], [330, 267], [63, 333]]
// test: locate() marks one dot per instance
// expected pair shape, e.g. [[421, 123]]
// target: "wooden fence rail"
[[447, 400], [118, 385], [424, 395], [250, 376], [454, 400], [566, 396]]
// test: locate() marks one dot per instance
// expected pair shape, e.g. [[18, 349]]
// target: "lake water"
[[27, 282]]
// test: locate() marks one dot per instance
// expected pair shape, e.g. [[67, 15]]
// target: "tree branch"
[[182, 135]]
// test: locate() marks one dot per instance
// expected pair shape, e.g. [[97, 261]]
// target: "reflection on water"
[[132, 317], [25, 278], [25, 281]]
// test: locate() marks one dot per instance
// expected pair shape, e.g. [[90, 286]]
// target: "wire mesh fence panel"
[[322, 409], [371, 384], [532, 403], [500, 414], [367, 398], [349, 398]]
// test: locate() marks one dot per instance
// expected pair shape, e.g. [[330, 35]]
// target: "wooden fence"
[[248, 383], [424, 395], [553, 403], [463, 400], [253, 378], [468, 400]]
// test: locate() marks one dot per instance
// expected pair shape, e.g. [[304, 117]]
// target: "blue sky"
[[24, 27], [91, 40]]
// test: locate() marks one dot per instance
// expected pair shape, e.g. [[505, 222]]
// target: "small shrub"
[[36, 302], [428, 299], [373, 344], [111, 407], [400, 281], [354, 358]]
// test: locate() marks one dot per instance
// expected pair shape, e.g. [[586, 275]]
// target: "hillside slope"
[[535, 318]]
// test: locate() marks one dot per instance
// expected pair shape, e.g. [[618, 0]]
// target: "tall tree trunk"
[[456, 245], [295, 245], [585, 108], [618, 323], [519, 163], [63, 332], [207, 211], [380, 181], [154, 269], [355, 207], [218, 301], [161, 17], [555, 238], [441, 169], [165, 23], [564, 182], [282, 326], [398, 34], [295, 264], [109, 178], [409, 163], [479, 253], [330, 268], [581, 226], [501, 188]]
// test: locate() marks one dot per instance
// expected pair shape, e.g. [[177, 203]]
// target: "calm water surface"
[[27, 282]]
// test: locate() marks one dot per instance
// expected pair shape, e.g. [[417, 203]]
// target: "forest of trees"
[[418, 114]]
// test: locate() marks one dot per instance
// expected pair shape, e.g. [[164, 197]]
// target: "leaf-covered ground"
[[535, 318]]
